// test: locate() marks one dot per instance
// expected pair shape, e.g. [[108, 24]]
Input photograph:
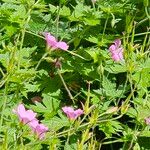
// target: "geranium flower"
[[38, 129], [147, 121], [33, 124], [29, 117], [71, 113], [53, 44], [116, 50], [25, 116]]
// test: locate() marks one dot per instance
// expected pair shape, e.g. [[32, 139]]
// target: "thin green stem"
[[69, 133], [57, 21], [147, 14], [3, 74], [4, 79], [105, 25], [39, 62], [4, 103], [67, 89], [35, 34], [86, 124], [141, 22], [88, 98], [72, 53], [21, 45], [138, 34], [93, 4], [110, 142]]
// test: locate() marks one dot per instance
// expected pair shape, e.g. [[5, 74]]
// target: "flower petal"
[[117, 42], [33, 124], [67, 109], [79, 112], [51, 40], [71, 113], [112, 48], [62, 45]]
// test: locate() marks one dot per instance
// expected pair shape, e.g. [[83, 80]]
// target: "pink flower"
[[116, 50], [33, 124], [38, 129], [25, 116], [41, 129], [52, 42], [147, 121], [71, 113], [28, 117]]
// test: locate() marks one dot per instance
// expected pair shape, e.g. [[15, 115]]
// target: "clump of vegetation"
[[74, 74]]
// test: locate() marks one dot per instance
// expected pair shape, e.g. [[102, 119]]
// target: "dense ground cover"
[[74, 74]]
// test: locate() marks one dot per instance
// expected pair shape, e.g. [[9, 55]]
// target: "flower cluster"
[[53, 43], [29, 117], [71, 113], [116, 50]]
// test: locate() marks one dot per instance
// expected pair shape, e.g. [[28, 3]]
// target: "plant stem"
[[4, 104], [105, 25], [21, 45], [45, 54], [67, 89]]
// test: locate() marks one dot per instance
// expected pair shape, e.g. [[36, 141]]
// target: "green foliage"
[[114, 95], [50, 105]]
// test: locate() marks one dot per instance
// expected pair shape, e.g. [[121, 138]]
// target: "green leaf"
[[142, 77], [4, 59], [115, 68], [31, 87], [56, 122], [91, 21], [53, 9], [49, 107], [144, 133], [111, 127], [65, 11], [109, 89]]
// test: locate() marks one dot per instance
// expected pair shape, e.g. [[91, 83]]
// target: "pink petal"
[[51, 40], [79, 112], [67, 109], [120, 50], [33, 124], [71, 113], [21, 112], [116, 50], [117, 42], [24, 116], [40, 130], [112, 48], [117, 56], [120, 55], [62, 45], [147, 121], [30, 114], [21, 109]]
